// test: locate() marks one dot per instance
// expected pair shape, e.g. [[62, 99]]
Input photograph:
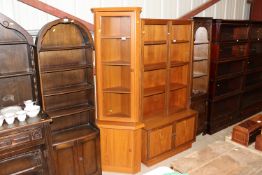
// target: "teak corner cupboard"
[[143, 81]]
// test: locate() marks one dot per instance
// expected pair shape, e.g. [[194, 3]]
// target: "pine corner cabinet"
[[25, 147], [143, 83], [65, 68]]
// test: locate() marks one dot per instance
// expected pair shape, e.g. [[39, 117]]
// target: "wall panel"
[[225, 9]]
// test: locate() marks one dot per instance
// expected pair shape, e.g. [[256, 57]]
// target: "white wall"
[[32, 19]]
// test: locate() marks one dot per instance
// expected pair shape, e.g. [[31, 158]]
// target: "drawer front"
[[23, 137], [232, 50], [22, 163], [229, 68], [160, 141], [224, 108], [226, 86]]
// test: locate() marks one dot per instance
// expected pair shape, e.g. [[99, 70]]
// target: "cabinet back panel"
[[154, 78], [181, 32], [201, 51], [14, 58], [230, 67], [155, 32], [116, 76], [63, 35], [155, 54], [116, 26], [201, 67], [180, 52], [63, 79], [179, 75], [115, 49], [67, 57], [200, 84], [201, 35], [117, 104], [178, 99], [67, 100], [70, 121], [231, 32], [11, 89], [153, 104]]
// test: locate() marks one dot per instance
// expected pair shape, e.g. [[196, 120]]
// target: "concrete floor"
[[201, 142]]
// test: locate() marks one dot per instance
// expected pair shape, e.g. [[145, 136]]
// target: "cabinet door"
[[88, 156], [201, 107], [65, 159], [185, 131], [160, 141], [23, 163]]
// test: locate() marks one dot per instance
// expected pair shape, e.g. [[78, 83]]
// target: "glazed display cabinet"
[[143, 81], [25, 146], [65, 68], [200, 71]]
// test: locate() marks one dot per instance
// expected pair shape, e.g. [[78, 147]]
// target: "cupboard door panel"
[[65, 159], [160, 141], [88, 159], [185, 131]]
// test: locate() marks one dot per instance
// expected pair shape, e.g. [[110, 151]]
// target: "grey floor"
[[201, 142]]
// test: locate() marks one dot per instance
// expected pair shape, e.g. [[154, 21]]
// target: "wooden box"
[[245, 133], [258, 144]]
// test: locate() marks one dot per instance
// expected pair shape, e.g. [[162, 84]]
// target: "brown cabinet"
[[200, 72], [25, 147], [80, 156], [229, 55], [65, 67]]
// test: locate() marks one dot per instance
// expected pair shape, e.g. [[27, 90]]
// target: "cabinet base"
[[166, 155]]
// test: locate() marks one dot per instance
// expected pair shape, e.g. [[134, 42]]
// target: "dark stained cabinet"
[[65, 66], [200, 72], [229, 55], [25, 147]]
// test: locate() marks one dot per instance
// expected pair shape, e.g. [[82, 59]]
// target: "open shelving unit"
[[65, 68], [166, 65]]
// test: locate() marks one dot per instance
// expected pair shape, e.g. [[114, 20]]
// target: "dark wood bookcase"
[[200, 71], [65, 66], [229, 55], [25, 147], [251, 101]]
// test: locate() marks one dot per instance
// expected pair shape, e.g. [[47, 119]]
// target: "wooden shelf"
[[150, 67], [62, 68], [155, 42], [67, 90], [154, 90], [16, 74], [176, 86], [70, 111], [12, 42], [118, 90], [178, 63], [117, 63], [61, 48], [175, 109], [199, 74], [74, 134], [199, 59], [179, 41], [115, 37], [200, 43]]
